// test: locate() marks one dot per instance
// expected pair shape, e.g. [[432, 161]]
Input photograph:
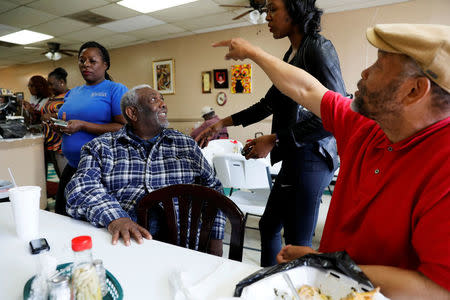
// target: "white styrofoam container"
[[331, 283]]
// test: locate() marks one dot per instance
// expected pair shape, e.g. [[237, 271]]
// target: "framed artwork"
[[221, 79], [206, 82], [164, 76], [241, 79]]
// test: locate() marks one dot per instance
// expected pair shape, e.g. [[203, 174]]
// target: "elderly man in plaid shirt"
[[117, 169]]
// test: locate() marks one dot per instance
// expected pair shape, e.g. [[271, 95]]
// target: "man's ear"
[[421, 86], [131, 113]]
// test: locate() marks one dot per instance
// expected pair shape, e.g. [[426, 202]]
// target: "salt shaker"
[[98, 264], [59, 288]]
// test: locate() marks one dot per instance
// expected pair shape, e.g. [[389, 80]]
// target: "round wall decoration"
[[221, 98]]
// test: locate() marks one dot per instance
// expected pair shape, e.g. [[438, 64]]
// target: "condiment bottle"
[[85, 281], [101, 272]]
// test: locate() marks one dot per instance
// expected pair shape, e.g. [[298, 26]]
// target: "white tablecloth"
[[142, 270]]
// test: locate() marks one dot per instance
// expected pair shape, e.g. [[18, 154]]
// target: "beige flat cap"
[[427, 44]]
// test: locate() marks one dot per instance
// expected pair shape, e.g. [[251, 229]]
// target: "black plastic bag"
[[338, 261], [13, 130]]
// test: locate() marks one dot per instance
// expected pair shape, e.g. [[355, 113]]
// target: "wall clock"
[[221, 98]]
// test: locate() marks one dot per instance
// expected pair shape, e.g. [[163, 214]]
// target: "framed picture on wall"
[[241, 79], [206, 82], [221, 79], [164, 76]]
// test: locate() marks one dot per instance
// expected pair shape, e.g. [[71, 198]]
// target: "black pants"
[[60, 201], [293, 203]]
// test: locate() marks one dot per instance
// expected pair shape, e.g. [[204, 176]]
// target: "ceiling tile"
[[172, 36], [64, 44], [233, 2], [131, 24], [6, 51], [88, 34], [223, 27], [6, 5], [188, 11], [68, 7], [148, 33], [116, 39], [115, 11], [330, 6], [60, 26], [4, 29], [25, 17], [207, 21], [21, 2]]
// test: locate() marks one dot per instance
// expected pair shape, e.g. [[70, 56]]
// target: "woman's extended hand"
[[260, 147], [238, 49], [206, 135]]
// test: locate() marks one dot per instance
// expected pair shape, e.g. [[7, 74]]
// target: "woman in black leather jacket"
[[308, 152]]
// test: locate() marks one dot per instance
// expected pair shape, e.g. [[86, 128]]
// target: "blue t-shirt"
[[92, 103]]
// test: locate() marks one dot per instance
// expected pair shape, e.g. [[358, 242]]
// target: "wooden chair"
[[200, 204]]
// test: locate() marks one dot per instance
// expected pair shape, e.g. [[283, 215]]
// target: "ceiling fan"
[[53, 51], [257, 13]]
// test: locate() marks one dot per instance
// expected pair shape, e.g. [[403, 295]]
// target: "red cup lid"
[[81, 243]]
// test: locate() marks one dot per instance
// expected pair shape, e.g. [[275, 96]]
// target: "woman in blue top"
[[91, 110]]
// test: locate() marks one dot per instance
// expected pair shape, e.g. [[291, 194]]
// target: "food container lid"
[[60, 280], [81, 243]]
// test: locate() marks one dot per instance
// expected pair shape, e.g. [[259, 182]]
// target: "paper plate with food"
[[328, 276]]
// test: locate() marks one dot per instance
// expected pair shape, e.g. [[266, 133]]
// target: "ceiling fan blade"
[[33, 48], [238, 6], [70, 50], [66, 52], [243, 14]]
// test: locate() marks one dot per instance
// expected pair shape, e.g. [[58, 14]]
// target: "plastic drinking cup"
[[25, 207]]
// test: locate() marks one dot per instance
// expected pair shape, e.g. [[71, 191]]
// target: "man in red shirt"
[[390, 208]]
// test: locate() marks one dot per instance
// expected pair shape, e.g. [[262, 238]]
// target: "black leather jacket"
[[294, 125]]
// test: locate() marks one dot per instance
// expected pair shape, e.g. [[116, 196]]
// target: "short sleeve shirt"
[[98, 104], [391, 203]]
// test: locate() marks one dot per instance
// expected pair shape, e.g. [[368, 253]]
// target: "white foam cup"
[[25, 207]]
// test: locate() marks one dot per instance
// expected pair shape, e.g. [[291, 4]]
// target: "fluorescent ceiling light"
[[152, 5], [25, 37]]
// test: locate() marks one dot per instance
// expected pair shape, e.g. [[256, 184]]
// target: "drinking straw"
[[12, 177]]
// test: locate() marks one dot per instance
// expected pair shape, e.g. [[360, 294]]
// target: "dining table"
[[144, 271]]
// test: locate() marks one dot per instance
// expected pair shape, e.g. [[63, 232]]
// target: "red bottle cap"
[[81, 243]]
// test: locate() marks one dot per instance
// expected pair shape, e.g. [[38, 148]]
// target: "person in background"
[[90, 110], [210, 118], [57, 80], [117, 169], [390, 206], [307, 151], [40, 93]]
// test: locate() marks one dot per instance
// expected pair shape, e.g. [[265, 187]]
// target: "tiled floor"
[[252, 237]]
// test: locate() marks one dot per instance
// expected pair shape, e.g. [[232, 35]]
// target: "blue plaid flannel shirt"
[[117, 169]]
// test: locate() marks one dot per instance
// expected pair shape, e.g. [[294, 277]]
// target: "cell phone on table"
[[39, 245], [59, 122]]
